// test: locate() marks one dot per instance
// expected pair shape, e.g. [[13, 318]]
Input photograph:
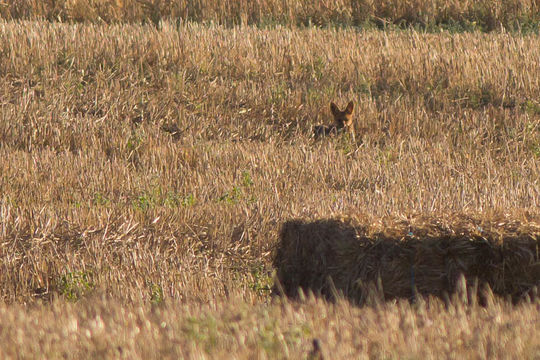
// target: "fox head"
[[342, 118]]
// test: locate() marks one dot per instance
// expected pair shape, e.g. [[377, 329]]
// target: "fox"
[[343, 121]]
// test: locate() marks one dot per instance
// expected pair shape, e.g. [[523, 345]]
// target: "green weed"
[[74, 285]]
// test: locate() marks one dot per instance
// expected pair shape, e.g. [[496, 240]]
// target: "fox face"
[[343, 120]]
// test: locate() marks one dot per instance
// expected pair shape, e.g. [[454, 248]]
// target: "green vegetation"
[[75, 285]]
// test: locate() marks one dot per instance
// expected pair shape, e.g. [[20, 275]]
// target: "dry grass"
[[157, 166], [104, 329], [485, 15]]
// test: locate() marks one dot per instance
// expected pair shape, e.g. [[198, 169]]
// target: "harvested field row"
[[125, 149], [145, 175], [485, 15], [230, 329]]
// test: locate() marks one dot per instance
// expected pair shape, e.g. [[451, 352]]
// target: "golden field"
[[460, 15], [145, 175]]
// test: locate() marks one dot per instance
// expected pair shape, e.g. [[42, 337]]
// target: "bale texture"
[[404, 258]]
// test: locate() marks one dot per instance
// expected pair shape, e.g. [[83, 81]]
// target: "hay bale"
[[402, 258]]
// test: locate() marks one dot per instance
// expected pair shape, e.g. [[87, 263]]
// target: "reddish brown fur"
[[343, 120]]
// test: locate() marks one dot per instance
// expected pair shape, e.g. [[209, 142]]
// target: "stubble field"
[[145, 175]]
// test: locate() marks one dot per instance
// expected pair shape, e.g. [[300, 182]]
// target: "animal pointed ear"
[[334, 108], [350, 107]]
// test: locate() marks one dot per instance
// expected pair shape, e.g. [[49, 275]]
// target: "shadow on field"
[[331, 258]]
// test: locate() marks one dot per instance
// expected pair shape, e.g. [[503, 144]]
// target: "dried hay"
[[403, 258]]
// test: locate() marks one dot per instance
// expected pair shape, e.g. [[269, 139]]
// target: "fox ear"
[[334, 108], [350, 107]]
